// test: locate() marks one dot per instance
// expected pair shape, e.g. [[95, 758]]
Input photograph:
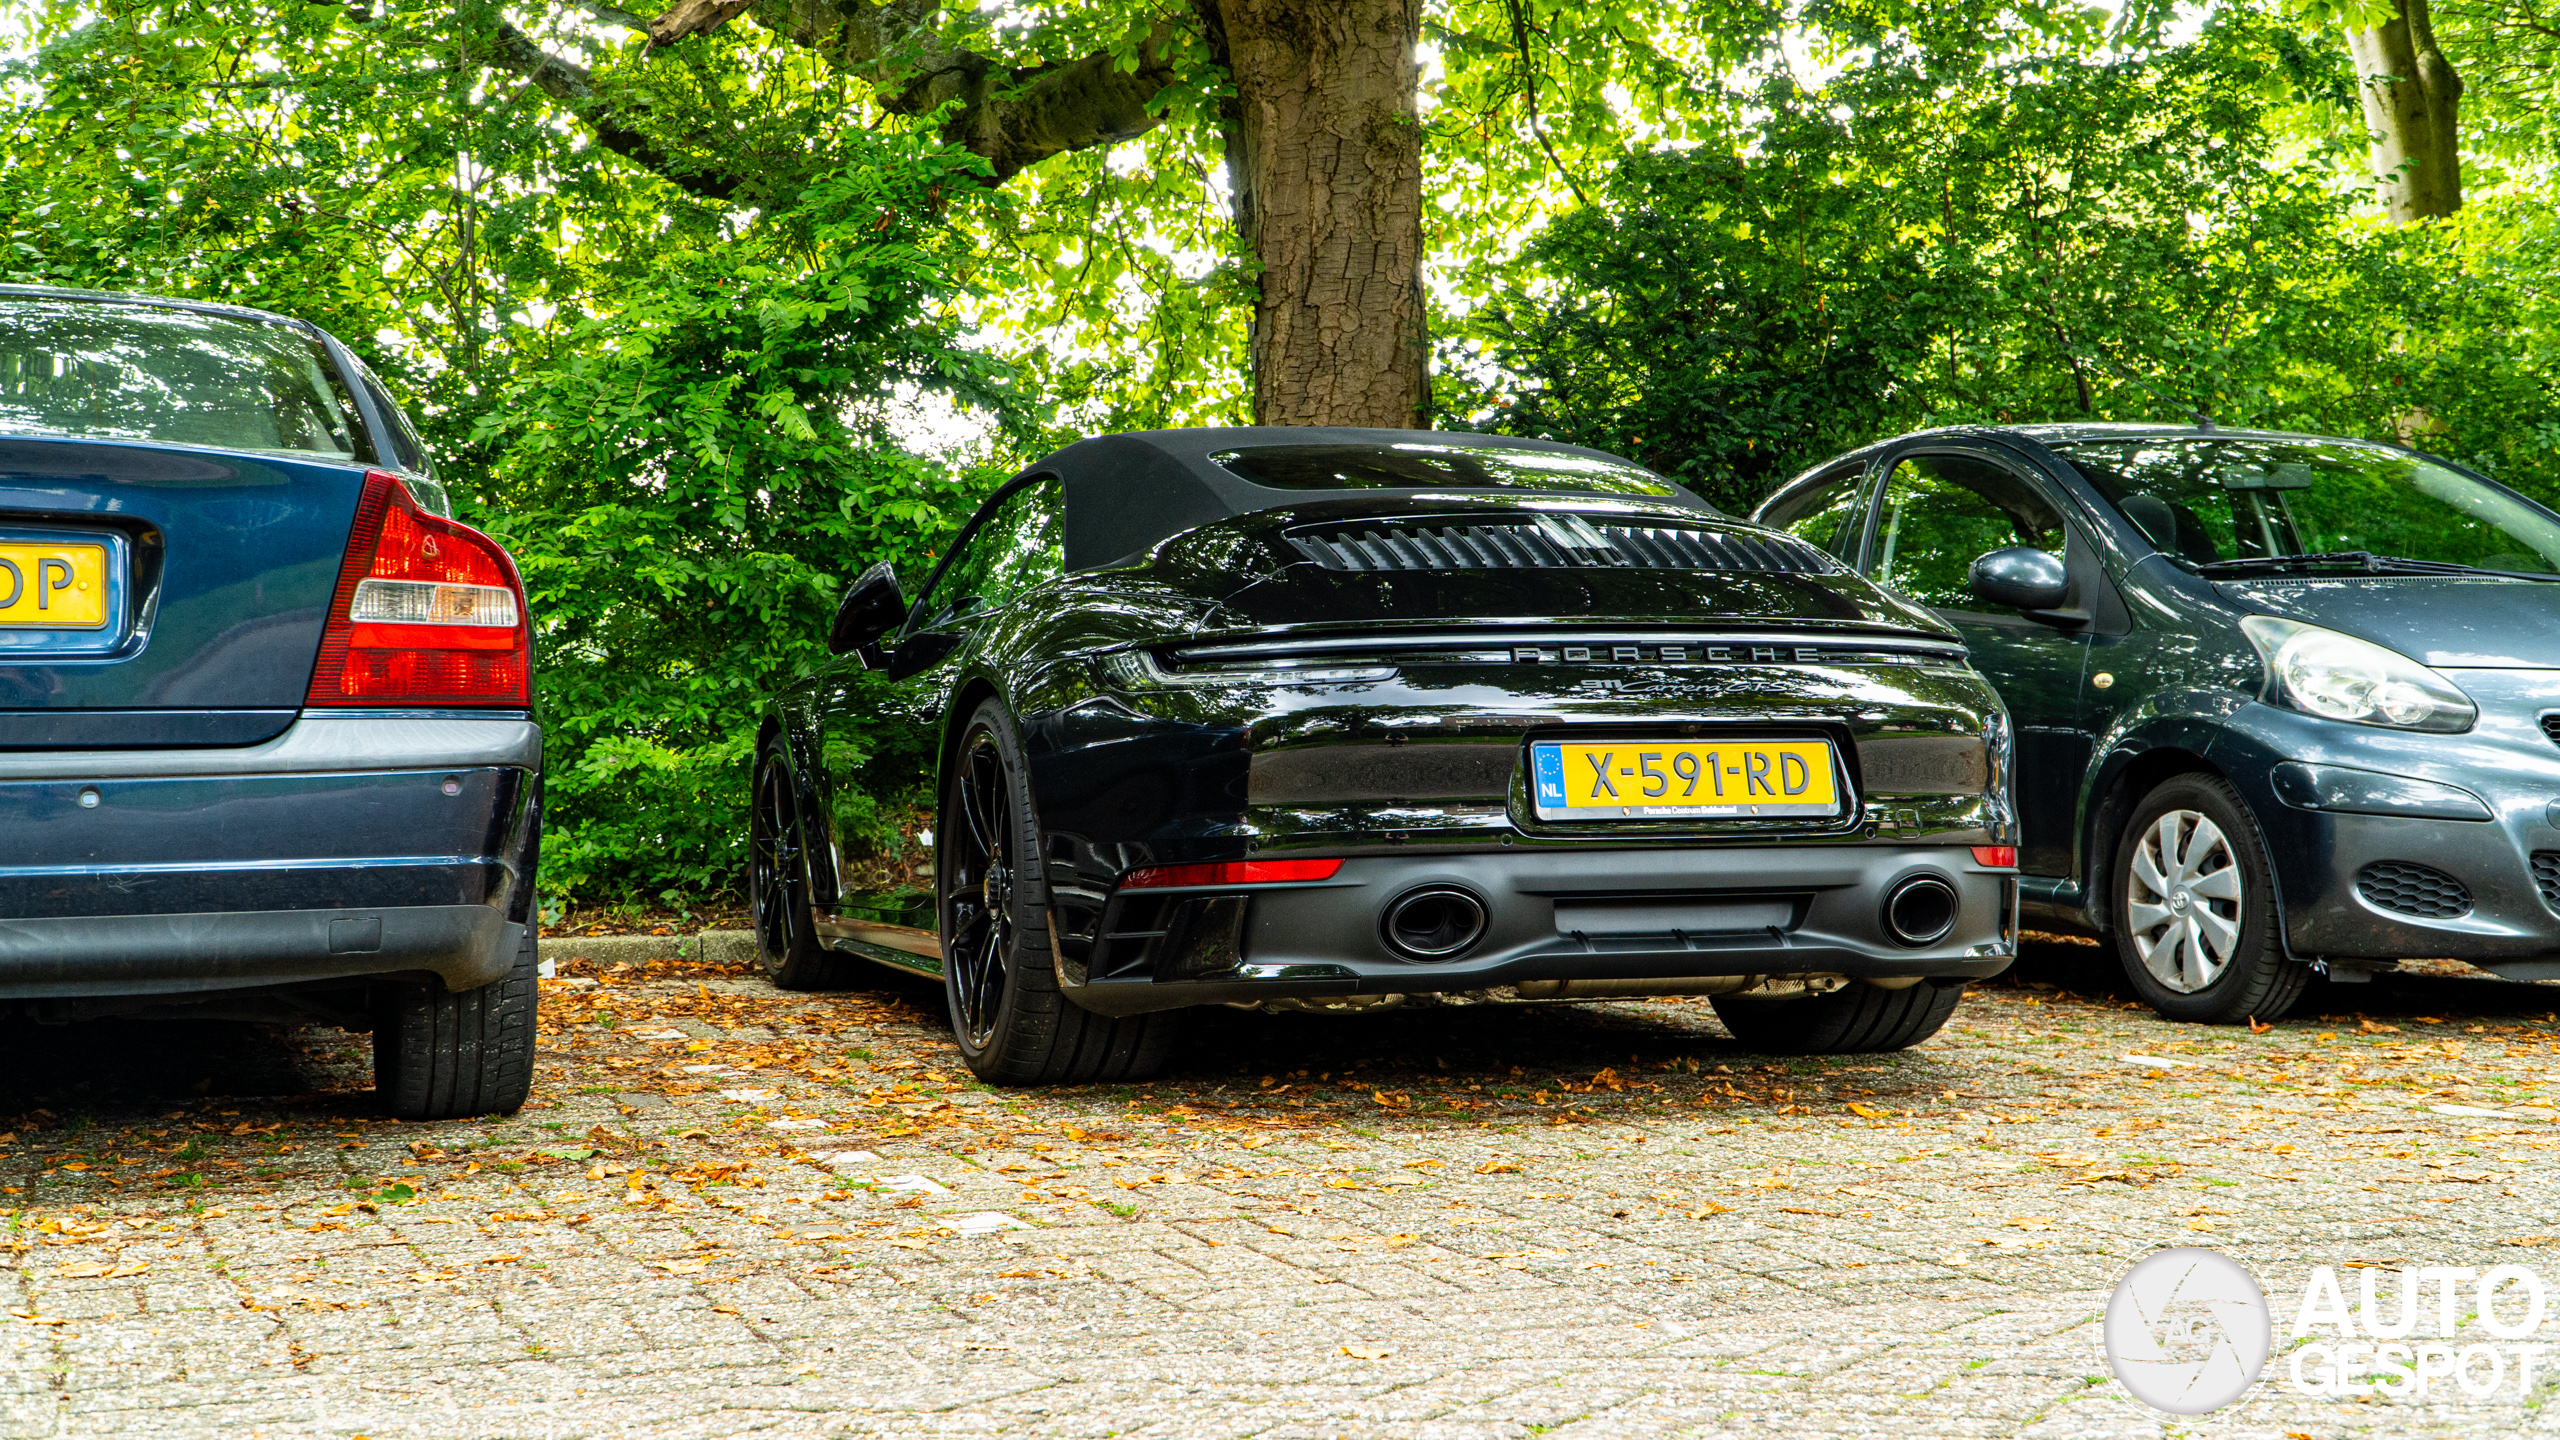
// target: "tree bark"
[[2412, 105], [1324, 149], [1325, 146]]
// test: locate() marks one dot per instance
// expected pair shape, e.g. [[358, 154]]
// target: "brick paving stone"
[[1449, 1221]]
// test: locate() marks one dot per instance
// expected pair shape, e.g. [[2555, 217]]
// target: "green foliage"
[[1715, 318], [680, 420], [1946, 233], [687, 485], [1727, 236]]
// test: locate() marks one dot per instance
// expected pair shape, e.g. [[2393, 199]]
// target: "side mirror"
[[2020, 578], [872, 607]]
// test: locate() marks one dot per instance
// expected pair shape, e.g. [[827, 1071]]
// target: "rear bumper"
[[1584, 915], [348, 848], [69, 957]]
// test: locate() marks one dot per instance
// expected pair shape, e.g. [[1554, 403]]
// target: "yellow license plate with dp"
[[1683, 779], [53, 585]]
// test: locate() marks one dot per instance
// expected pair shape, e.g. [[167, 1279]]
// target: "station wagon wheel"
[[788, 949], [1014, 1025], [2194, 907]]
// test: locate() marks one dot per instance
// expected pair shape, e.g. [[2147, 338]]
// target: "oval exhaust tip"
[[1436, 922], [1920, 910]]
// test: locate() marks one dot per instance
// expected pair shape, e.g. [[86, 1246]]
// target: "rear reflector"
[[428, 611], [1231, 872], [1996, 857]]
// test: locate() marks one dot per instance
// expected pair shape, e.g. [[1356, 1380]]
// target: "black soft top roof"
[[1126, 492]]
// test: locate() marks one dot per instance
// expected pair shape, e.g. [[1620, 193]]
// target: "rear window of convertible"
[[100, 370], [1438, 467]]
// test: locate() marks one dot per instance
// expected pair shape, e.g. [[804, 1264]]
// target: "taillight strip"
[[1231, 872]]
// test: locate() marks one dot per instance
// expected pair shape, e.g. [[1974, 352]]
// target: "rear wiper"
[[2362, 561]]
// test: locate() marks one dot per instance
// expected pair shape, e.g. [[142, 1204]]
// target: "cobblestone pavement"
[[734, 1211]]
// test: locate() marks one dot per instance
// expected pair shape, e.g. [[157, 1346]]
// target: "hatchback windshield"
[[2214, 502], [108, 371]]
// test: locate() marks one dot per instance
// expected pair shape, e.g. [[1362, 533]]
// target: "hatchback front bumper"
[[2352, 812]]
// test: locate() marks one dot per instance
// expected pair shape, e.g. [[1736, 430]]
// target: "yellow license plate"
[[1669, 780], [53, 586]]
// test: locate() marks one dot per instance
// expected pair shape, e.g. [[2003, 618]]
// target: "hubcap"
[[977, 900], [2183, 902]]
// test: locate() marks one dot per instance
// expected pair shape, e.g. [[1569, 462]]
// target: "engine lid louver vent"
[[1554, 542]]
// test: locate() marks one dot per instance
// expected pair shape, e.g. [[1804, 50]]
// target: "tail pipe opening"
[[1435, 922], [1920, 910]]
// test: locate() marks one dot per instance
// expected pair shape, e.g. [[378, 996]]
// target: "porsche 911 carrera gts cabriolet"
[[1284, 717]]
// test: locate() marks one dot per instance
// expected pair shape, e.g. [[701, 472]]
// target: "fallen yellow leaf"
[[1365, 1352]]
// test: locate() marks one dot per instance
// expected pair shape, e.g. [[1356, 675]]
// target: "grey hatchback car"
[[2284, 704]]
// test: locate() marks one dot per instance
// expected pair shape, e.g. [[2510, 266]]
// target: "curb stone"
[[727, 947]]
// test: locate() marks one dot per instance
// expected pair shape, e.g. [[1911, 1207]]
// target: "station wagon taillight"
[[428, 611]]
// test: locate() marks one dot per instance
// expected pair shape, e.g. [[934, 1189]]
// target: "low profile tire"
[[439, 1055], [1013, 1024], [2195, 909], [1855, 1019], [779, 903]]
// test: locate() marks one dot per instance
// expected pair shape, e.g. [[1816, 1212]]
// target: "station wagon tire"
[[2193, 903], [1855, 1019], [445, 1055], [779, 895], [1013, 1024]]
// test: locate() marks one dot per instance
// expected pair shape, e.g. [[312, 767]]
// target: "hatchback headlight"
[[2339, 677]]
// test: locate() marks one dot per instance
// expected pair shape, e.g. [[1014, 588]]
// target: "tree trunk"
[[1326, 152], [2412, 101]]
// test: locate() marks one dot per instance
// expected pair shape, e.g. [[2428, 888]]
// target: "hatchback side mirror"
[[2020, 578], [872, 607]]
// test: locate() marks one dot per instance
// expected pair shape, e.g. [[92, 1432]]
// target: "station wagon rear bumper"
[[349, 847]]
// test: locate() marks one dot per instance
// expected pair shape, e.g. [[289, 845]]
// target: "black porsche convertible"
[[1308, 717]]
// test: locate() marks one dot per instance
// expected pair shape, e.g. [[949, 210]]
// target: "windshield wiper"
[[2361, 561]]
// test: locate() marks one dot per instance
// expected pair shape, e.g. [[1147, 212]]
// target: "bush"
[[688, 485]]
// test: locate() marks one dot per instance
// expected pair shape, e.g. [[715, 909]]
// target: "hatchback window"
[[101, 371], [1943, 511], [1421, 466], [2210, 502]]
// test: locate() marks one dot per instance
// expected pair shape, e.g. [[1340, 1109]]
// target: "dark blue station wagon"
[[267, 742]]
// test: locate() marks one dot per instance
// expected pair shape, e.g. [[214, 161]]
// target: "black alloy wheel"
[[2193, 908], [981, 904], [1013, 1024], [788, 949]]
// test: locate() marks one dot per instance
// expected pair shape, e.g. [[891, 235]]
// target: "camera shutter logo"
[[2187, 1330]]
